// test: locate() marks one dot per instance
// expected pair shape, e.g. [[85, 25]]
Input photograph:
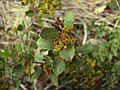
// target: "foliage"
[[55, 53]]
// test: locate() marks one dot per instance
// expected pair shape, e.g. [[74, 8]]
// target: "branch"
[[64, 84], [118, 4], [48, 20], [23, 87], [85, 31], [48, 86], [21, 37]]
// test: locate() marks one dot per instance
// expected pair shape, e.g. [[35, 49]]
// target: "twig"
[[5, 43], [48, 86], [85, 31], [116, 24], [48, 20], [23, 87], [35, 81], [64, 84], [118, 4], [21, 37]]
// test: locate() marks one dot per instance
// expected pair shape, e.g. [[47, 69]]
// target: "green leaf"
[[25, 37], [67, 54], [114, 51], [84, 49], [54, 79], [69, 18], [48, 60], [58, 65], [21, 26], [25, 55], [49, 33], [39, 58], [37, 73], [113, 5], [44, 44], [59, 0], [30, 13], [53, 53], [40, 23], [5, 54], [18, 47], [51, 15], [18, 69], [2, 62], [100, 9]]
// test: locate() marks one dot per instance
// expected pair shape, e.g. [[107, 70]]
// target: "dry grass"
[[12, 13]]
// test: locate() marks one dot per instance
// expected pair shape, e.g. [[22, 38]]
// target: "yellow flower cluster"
[[27, 65], [48, 7], [27, 69], [67, 28], [58, 45], [91, 63], [65, 37], [63, 41]]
